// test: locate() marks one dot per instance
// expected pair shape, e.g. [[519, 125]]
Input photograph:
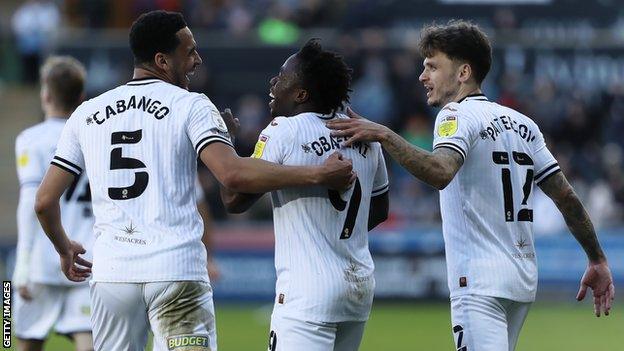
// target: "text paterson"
[[153, 107], [506, 123]]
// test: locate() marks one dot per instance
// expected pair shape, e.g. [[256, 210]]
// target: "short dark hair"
[[325, 75], [155, 32], [64, 79], [459, 40]]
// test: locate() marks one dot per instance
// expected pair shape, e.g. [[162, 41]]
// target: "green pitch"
[[420, 326]]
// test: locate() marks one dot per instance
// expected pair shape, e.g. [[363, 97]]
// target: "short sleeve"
[[545, 163], [454, 130], [31, 166], [380, 182], [68, 155], [205, 125], [275, 142]]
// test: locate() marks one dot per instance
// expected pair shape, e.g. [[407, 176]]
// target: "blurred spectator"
[[252, 113], [548, 220], [372, 94], [33, 24]]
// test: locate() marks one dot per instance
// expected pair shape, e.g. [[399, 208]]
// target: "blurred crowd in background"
[[580, 110]]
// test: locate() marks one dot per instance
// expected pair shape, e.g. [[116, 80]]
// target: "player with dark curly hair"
[[325, 283], [486, 160]]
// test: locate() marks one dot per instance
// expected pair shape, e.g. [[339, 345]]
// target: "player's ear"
[[302, 96], [465, 72], [161, 61]]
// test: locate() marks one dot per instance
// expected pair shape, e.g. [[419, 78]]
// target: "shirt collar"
[[473, 97]]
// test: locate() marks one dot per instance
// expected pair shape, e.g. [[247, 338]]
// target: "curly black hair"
[[155, 32], [459, 40], [325, 75]]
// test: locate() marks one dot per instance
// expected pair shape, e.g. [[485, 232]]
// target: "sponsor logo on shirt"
[[188, 342]]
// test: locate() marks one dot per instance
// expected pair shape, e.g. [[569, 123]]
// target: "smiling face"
[[184, 59], [441, 78], [285, 89]]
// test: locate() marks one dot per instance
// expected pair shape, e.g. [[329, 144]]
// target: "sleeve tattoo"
[[575, 215], [435, 168]]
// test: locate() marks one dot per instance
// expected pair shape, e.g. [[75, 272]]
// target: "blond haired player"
[[46, 300]]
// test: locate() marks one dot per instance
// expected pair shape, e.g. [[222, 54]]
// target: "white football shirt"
[[139, 143], [324, 268], [34, 149], [487, 210]]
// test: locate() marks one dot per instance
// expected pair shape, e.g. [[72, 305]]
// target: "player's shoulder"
[[517, 115], [38, 133], [464, 108], [279, 127], [452, 109], [313, 120], [195, 97]]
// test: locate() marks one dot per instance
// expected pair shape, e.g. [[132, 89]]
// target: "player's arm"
[[437, 168], [48, 210], [238, 202], [378, 213], [26, 228], [29, 174], [597, 276], [250, 175]]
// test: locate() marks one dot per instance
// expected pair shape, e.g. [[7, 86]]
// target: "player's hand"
[[598, 278], [24, 292], [233, 124], [337, 172], [357, 128], [75, 268]]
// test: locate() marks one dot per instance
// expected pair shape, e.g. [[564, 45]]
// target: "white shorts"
[[180, 315], [289, 334], [484, 323], [66, 309]]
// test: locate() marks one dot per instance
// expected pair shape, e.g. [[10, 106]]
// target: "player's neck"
[[148, 72], [466, 90], [52, 112], [305, 108]]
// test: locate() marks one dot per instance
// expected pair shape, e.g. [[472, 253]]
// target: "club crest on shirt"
[[306, 147], [259, 149], [447, 126], [219, 122]]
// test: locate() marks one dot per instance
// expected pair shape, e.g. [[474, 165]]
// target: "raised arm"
[[597, 276], [250, 175], [437, 168]]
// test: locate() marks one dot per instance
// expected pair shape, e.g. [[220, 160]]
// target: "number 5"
[[117, 161]]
